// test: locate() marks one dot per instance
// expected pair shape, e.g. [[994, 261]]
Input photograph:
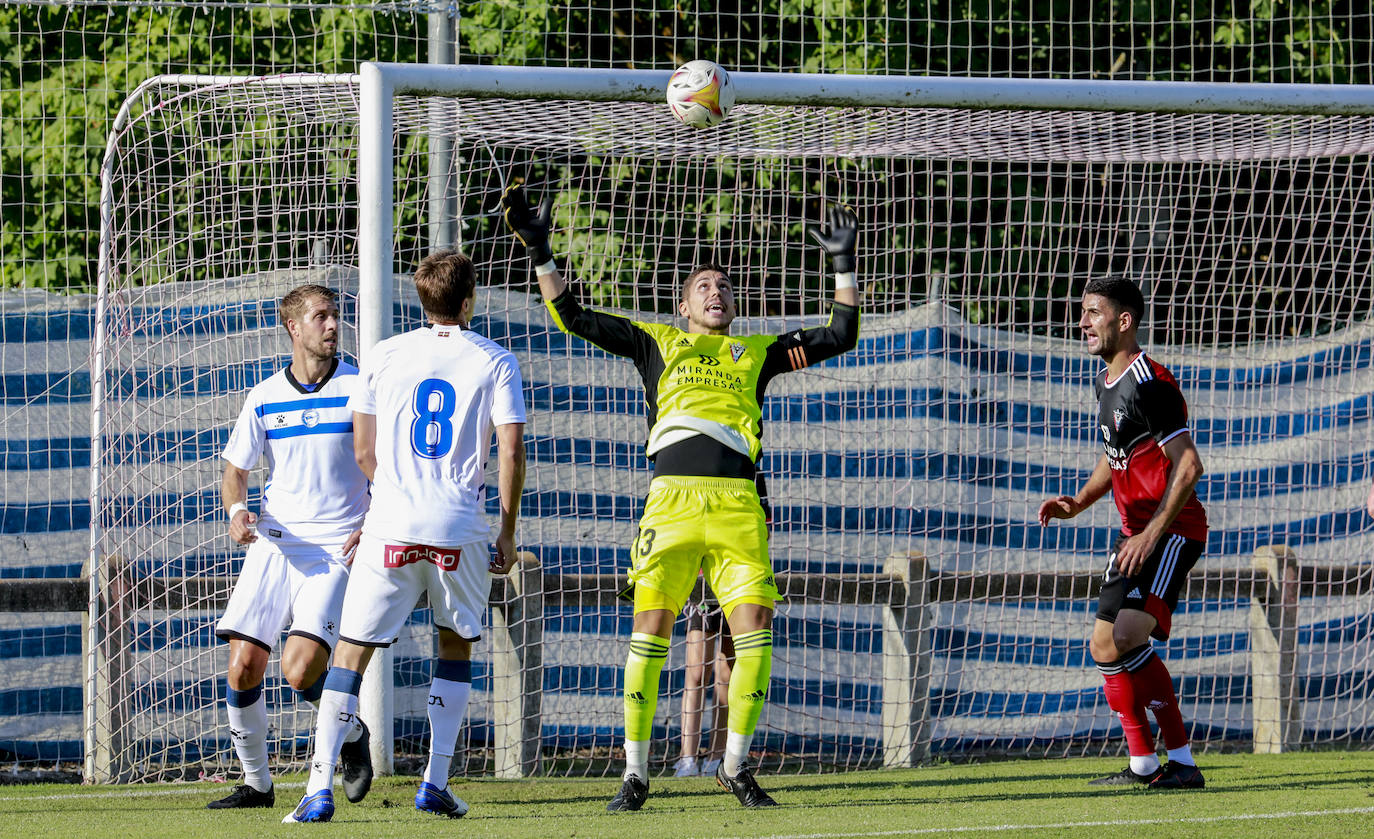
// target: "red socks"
[[1137, 683], [1155, 691]]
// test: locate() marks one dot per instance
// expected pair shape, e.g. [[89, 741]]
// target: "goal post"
[[1242, 210]]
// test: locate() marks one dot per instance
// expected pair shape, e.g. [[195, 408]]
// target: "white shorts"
[[388, 579], [274, 589]]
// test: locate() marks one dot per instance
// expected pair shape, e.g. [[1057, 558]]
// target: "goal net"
[[968, 401]]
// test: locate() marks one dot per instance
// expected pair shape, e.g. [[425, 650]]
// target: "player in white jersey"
[[424, 410], [301, 540]]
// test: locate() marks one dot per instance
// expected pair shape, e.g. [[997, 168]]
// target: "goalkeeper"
[[704, 390]]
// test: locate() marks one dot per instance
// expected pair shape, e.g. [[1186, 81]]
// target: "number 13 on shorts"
[[643, 545]]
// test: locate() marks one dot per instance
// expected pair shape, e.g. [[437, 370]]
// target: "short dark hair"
[[292, 306], [702, 269], [444, 280], [1123, 293]]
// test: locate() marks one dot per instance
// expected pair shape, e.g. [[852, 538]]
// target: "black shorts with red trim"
[[1156, 588]]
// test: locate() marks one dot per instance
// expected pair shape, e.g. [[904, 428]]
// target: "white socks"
[[736, 752], [248, 730], [448, 703], [637, 759], [1183, 754], [1144, 764], [337, 718]]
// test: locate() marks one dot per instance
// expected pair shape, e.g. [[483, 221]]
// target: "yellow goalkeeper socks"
[[642, 668], [749, 679]]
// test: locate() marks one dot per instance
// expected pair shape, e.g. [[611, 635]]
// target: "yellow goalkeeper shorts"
[[711, 526]]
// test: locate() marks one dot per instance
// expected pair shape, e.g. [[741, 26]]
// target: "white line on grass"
[[1003, 828], [150, 793]]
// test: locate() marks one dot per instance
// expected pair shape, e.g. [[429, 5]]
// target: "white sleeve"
[[508, 403], [362, 399], [248, 437]]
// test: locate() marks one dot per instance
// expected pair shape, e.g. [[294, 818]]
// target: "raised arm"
[[802, 348], [532, 227], [611, 333], [840, 238]]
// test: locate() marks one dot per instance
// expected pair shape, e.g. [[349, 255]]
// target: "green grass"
[[1323, 795]]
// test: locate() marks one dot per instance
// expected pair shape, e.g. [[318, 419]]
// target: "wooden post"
[[107, 763], [906, 664], [1274, 652], [517, 670]]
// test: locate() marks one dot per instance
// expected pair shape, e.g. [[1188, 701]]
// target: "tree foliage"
[[65, 70]]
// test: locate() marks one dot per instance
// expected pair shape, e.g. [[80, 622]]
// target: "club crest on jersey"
[[310, 418], [736, 350], [1117, 416]]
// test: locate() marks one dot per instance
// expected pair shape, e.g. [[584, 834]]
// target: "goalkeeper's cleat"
[[745, 788], [1177, 775], [245, 796], [355, 764], [313, 808], [440, 802], [686, 767], [633, 793], [1126, 777]]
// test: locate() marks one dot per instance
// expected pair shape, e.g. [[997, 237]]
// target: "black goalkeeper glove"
[[839, 237], [531, 228]]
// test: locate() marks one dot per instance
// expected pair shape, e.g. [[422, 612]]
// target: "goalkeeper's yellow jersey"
[[706, 384]]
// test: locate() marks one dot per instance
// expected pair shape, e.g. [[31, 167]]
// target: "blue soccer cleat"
[[313, 808], [440, 802]]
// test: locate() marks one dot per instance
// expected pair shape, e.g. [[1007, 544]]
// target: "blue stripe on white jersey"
[[303, 404], [301, 430]]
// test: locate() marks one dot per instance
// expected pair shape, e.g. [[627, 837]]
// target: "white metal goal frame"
[[378, 85]]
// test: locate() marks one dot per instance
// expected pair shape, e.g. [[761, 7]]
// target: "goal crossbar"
[[832, 90]]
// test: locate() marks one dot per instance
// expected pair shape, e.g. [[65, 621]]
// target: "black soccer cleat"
[[1125, 778], [245, 796], [355, 763], [633, 793], [1177, 775], [745, 788]]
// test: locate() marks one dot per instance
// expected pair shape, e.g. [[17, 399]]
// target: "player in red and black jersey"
[[1150, 466]]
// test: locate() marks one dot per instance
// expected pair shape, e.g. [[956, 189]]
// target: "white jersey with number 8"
[[437, 393]]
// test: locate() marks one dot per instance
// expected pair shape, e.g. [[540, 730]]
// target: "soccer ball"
[[700, 93]]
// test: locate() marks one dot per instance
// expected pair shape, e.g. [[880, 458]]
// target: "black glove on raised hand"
[[531, 228], [839, 237]]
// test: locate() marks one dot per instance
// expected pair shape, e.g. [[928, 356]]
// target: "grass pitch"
[[1322, 795]]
